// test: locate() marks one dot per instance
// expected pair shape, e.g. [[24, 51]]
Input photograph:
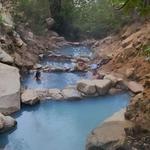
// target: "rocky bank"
[[128, 61]]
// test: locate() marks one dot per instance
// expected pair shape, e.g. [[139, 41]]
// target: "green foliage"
[[147, 50], [98, 18], [142, 7], [90, 18], [33, 12]]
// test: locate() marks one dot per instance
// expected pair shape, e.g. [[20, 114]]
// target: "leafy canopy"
[[142, 7]]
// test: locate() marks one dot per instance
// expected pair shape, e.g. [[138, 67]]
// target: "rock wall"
[[19, 41]]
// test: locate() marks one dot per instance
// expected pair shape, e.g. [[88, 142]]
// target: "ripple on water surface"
[[60, 125]]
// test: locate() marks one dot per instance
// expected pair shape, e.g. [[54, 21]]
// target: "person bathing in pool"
[[38, 75]]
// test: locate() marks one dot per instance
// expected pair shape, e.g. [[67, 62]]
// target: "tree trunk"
[[55, 7]]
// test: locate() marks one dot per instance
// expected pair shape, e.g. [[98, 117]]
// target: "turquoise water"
[[79, 51], [59, 80], [53, 80], [56, 125], [75, 51], [60, 125]]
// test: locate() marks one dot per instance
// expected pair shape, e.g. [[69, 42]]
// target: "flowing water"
[[54, 125]]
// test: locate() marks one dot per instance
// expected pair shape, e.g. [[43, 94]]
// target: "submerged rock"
[[9, 89], [6, 123]]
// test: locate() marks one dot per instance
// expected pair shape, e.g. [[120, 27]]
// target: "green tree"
[[140, 6]]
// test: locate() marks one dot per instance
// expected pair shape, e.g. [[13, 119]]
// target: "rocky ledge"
[[31, 97], [84, 88]]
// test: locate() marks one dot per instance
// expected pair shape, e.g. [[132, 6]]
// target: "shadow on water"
[[4, 140]]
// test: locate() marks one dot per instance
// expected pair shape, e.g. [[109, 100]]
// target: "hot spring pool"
[[60, 125], [54, 125]]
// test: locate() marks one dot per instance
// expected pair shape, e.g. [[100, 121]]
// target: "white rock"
[[94, 87], [55, 94], [70, 94], [9, 89], [30, 97]]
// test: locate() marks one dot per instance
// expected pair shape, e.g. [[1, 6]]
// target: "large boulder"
[[70, 94], [5, 58], [9, 89], [94, 87], [86, 87], [6, 123], [110, 135], [30, 97], [103, 86]]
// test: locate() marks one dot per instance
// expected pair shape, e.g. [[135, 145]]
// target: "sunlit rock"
[[94, 87], [9, 89], [135, 87], [30, 97], [71, 94], [55, 94], [110, 135]]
